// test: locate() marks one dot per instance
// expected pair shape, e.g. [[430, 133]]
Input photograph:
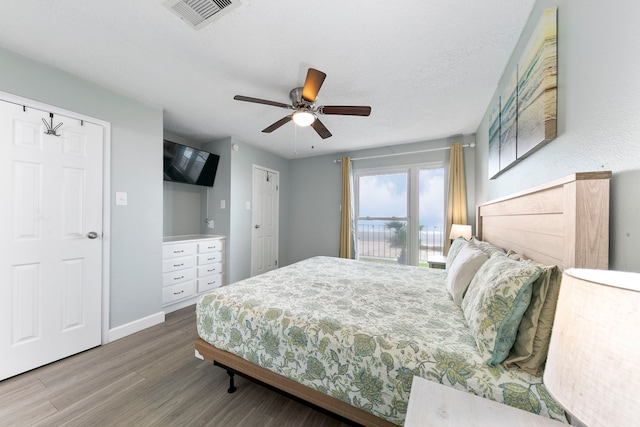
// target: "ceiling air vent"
[[198, 13]]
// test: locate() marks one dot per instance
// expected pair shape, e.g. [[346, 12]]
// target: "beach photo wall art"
[[525, 117]]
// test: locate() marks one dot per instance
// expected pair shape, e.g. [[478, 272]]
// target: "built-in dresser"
[[191, 266]]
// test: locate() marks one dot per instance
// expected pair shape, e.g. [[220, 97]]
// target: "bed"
[[349, 336]]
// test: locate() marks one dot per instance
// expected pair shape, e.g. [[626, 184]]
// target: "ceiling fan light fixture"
[[303, 118]]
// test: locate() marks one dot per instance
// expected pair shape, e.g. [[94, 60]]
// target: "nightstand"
[[434, 404], [437, 261]]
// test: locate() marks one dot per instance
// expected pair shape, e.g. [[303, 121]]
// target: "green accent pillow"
[[529, 351], [495, 302]]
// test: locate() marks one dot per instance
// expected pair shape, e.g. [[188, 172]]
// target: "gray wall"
[[221, 190], [316, 191], [136, 153], [185, 205], [598, 115], [234, 184]]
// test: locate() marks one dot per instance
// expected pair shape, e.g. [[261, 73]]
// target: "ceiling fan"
[[303, 103]]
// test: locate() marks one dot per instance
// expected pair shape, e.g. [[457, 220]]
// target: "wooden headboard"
[[563, 223]]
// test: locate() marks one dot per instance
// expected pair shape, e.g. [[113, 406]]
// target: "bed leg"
[[232, 386]]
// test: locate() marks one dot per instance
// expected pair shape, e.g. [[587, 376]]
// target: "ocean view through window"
[[400, 214]]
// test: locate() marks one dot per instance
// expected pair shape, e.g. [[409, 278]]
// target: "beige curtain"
[[457, 199], [346, 241]]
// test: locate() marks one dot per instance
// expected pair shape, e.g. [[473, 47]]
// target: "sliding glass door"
[[400, 213], [382, 218]]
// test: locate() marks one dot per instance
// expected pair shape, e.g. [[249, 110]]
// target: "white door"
[[50, 266], [264, 236]]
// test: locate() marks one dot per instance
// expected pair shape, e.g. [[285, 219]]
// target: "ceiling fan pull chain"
[[295, 140]]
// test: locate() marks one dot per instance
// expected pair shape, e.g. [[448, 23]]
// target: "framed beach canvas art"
[[508, 123], [538, 87], [494, 140], [525, 118]]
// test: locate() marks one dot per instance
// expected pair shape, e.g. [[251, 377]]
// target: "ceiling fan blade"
[[321, 129], [261, 101], [277, 124], [312, 84], [345, 110]]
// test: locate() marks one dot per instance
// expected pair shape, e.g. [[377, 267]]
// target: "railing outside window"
[[382, 243]]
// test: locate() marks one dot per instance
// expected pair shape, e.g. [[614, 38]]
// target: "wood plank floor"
[[150, 378]]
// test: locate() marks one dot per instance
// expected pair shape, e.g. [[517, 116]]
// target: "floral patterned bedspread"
[[360, 331]]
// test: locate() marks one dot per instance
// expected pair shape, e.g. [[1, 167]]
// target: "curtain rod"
[[472, 145]]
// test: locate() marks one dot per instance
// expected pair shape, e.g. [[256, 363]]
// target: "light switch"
[[247, 205], [121, 198], [223, 204]]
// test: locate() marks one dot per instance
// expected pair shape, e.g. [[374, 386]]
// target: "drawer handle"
[[209, 271], [211, 283], [178, 278], [178, 252], [211, 247], [178, 265], [178, 293]]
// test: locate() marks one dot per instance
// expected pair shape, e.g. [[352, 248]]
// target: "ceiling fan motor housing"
[[296, 100]]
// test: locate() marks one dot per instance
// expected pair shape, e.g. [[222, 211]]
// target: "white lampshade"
[[303, 118], [593, 367], [460, 230]]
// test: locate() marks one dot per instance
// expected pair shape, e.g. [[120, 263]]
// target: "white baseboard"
[[182, 304], [136, 326]]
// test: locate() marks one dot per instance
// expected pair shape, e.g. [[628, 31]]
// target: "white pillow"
[[462, 270]]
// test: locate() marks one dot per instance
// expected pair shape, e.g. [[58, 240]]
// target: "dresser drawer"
[[178, 250], [177, 276], [173, 264], [209, 282], [207, 270], [179, 291], [210, 246], [210, 258]]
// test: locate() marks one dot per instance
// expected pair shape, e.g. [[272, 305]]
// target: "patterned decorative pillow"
[[495, 302], [455, 248], [487, 247]]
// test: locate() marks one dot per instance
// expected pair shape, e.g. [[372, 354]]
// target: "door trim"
[[106, 190], [253, 204]]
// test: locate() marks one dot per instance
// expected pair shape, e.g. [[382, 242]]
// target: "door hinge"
[[277, 187], [276, 263]]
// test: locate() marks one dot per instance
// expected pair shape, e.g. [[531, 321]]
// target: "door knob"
[[92, 234], [257, 226]]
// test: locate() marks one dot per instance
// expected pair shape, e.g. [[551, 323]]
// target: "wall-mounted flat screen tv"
[[189, 165]]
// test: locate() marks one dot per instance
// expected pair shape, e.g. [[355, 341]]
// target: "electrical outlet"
[[210, 223]]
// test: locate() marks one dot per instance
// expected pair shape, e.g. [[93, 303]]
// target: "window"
[[400, 213]]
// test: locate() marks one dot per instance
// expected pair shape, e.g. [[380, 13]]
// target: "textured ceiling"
[[427, 68]]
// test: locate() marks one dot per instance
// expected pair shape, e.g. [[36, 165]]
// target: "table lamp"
[[460, 230], [593, 365]]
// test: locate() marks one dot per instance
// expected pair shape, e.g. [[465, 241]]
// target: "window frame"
[[413, 200]]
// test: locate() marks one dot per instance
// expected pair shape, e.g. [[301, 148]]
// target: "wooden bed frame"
[[564, 223]]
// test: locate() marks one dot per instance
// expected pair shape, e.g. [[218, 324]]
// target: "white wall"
[[136, 167], [598, 115]]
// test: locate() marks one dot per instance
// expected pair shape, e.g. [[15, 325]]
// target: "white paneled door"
[[50, 238], [264, 236]]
